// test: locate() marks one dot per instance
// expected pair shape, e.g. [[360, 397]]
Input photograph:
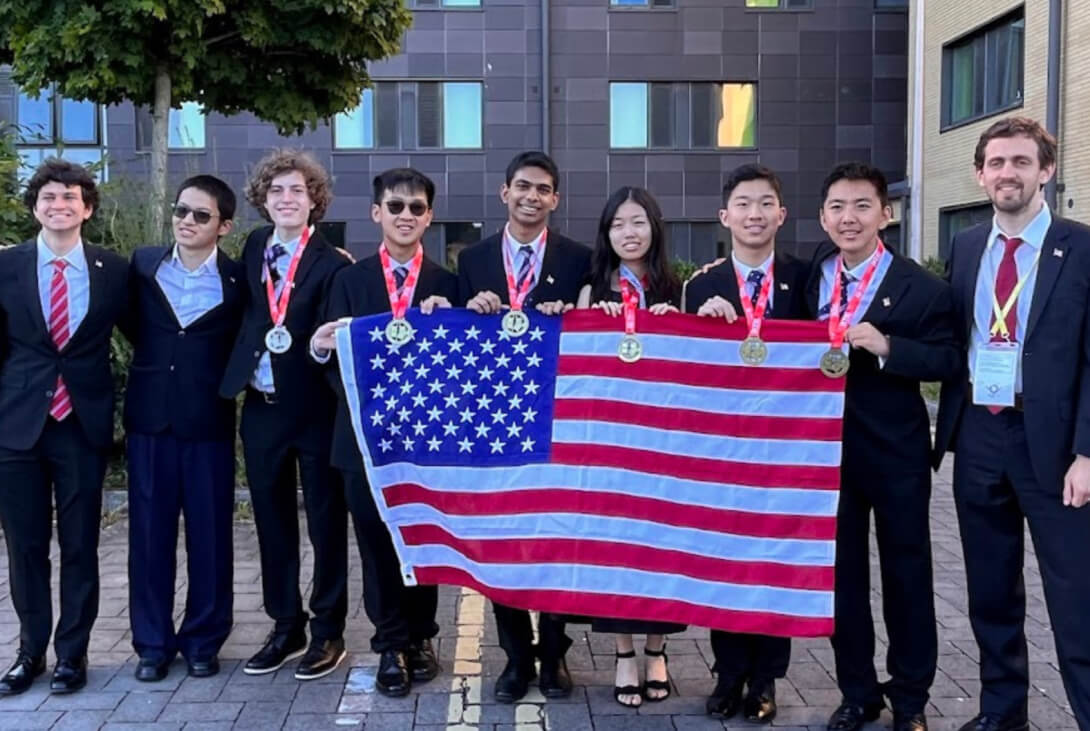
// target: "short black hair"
[[410, 178], [534, 159], [213, 186], [745, 173], [65, 172], [857, 171]]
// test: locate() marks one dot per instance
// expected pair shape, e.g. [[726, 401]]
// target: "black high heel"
[[619, 690], [657, 684]]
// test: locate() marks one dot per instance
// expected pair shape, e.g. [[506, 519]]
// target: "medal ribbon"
[[631, 299], [837, 327], [626, 274], [755, 315], [999, 327], [516, 297], [399, 303], [278, 307]]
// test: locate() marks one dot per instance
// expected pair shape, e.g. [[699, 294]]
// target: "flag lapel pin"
[[784, 286], [1058, 253], [549, 279], [98, 263], [886, 302]]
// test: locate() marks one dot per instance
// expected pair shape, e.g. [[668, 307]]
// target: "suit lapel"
[[497, 275], [96, 280], [891, 290], [974, 254], [28, 281], [781, 289], [147, 267], [1053, 252], [425, 286]]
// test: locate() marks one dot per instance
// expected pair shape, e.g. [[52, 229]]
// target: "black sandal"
[[619, 690], [657, 684]]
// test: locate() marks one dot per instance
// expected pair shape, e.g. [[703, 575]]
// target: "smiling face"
[[288, 201], [401, 230], [188, 232], [530, 197], [630, 232], [853, 215], [753, 214], [60, 208], [1012, 175]]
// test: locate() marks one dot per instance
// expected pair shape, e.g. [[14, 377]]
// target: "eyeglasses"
[[202, 217], [396, 206]]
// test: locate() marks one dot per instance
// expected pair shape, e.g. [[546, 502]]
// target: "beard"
[[1013, 203]]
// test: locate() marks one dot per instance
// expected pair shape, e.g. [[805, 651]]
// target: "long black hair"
[[663, 284]]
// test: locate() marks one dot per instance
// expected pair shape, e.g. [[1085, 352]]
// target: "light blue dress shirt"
[[745, 269], [263, 375], [828, 272], [76, 276], [1025, 256], [513, 246], [190, 293]]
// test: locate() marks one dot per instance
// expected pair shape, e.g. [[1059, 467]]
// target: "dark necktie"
[[526, 267], [826, 309], [272, 254], [400, 275], [756, 276]]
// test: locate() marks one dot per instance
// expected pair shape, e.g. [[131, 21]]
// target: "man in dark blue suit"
[[186, 307], [1018, 419]]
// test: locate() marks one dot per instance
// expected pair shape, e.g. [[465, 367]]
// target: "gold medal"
[[399, 331], [630, 350], [753, 351], [516, 323], [834, 363]]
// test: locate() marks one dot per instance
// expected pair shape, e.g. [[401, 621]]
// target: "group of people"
[[1008, 334]]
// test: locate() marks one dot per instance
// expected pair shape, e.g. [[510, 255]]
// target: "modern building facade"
[[667, 94]]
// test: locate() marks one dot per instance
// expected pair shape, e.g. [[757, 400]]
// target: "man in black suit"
[[1018, 419], [773, 282], [403, 617], [186, 306], [898, 321], [59, 300], [534, 267], [287, 417]]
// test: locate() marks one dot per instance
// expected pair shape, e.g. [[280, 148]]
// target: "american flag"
[[546, 473]]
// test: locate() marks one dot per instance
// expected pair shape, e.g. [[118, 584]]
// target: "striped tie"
[[526, 268], [61, 405]]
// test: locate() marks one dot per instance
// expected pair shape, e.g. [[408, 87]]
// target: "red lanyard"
[[836, 327], [754, 315], [278, 307], [516, 297], [631, 299], [399, 303]]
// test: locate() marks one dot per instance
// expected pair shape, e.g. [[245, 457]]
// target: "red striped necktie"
[[61, 406]]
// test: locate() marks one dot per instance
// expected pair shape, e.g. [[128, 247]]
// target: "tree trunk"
[[160, 118]]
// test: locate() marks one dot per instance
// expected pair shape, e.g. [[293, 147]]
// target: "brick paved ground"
[[461, 697]]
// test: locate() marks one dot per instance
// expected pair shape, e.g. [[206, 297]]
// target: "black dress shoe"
[[204, 668], [760, 703], [151, 670], [909, 722], [422, 661], [989, 722], [393, 678], [513, 682], [555, 680], [321, 659], [278, 649], [21, 674], [850, 717], [69, 676], [726, 699]]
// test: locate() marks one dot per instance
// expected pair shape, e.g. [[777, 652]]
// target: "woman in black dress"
[[630, 260]]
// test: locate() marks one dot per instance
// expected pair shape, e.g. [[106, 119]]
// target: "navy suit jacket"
[[1055, 351], [176, 371], [788, 298], [564, 271]]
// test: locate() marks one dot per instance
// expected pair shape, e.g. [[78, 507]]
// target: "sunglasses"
[[181, 211], [396, 206]]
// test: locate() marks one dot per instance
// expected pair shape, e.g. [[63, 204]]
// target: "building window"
[[891, 3], [435, 4], [682, 115], [642, 3], [780, 4], [982, 73], [413, 115], [185, 128], [953, 220], [697, 241], [53, 120]]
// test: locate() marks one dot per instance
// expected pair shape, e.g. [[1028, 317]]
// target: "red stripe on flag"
[[615, 505], [806, 380], [626, 607], [700, 422], [773, 331], [697, 468], [623, 555]]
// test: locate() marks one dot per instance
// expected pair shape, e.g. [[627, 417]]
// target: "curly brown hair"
[[65, 172], [286, 160], [1018, 127]]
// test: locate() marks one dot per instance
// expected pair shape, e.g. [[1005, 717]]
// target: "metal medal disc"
[[399, 331], [516, 323], [278, 340], [753, 351], [834, 363], [630, 350]]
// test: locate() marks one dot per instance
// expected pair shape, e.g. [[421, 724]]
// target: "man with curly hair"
[[287, 415]]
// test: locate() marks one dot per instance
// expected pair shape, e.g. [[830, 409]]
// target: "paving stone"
[[81, 721], [140, 707], [324, 721], [204, 711], [157, 726], [27, 720], [262, 715]]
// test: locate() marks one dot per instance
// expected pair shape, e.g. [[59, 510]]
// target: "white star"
[[403, 414], [438, 358], [503, 360], [376, 418], [472, 333], [519, 347], [498, 416], [482, 430], [497, 446], [433, 444], [515, 401], [424, 344], [517, 374], [421, 371], [376, 334], [483, 402], [451, 400], [391, 403], [453, 372], [419, 400], [450, 429], [406, 387], [514, 430], [418, 428], [527, 444], [392, 348], [409, 360], [469, 387], [378, 390], [434, 413], [466, 415], [500, 388], [456, 346], [394, 429], [487, 347], [440, 332], [435, 386], [537, 333], [503, 335], [408, 444], [528, 415], [534, 360], [393, 374], [386, 445], [378, 361], [486, 373], [465, 445], [532, 387], [470, 359]]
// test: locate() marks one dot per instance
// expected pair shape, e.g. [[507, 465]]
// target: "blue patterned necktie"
[[272, 254], [400, 275], [526, 267], [845, 280], [756, 276]]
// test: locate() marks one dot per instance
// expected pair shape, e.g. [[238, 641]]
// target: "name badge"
[[994, 372]]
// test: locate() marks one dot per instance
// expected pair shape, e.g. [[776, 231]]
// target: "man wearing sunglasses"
[[397, 276], [185, 308], [528, 262]]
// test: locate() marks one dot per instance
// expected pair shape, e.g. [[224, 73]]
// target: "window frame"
[[56, 121], [979, 34], [946, 236], [441, 5], [406, 91], [781, 7], [142, 116], [678, 91]]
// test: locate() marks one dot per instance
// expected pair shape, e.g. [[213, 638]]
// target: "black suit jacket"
[[176, 371], [564, 271], [30, 362], [789, 277], [357, 291], [1055, 351], [306, 402], [887, 430]]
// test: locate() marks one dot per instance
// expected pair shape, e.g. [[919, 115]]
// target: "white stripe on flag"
[[687, 350]]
